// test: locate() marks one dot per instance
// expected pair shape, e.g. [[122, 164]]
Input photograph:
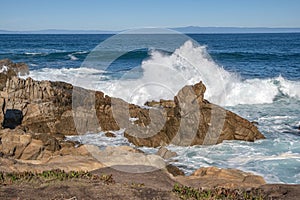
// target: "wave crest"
[[165, 74]]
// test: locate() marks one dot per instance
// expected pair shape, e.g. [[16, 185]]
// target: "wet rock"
[[191, 120], [9, 69], [110, 134]]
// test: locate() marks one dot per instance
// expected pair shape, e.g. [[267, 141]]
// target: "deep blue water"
[[249, 55]]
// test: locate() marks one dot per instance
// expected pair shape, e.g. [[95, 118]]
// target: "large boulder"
[[59, 108], [192, 120], [18, 144], [13, 143]]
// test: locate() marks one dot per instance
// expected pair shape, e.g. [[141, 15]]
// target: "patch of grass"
[[134, 185], [137, 185], [107, 179], [185, 192], [52, 175]]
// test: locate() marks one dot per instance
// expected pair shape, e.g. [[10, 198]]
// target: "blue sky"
[[125, 14]]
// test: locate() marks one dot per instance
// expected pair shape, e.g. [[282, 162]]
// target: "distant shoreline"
[[185, 30], [142, 34]]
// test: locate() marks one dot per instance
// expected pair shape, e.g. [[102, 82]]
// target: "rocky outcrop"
[[43, 105], [9, 69], [46, 107], [216, 177], [27, 151], [66, 163], [192, 120], [18, 144]]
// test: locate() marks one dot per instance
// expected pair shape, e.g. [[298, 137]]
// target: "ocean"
[[254, 75]]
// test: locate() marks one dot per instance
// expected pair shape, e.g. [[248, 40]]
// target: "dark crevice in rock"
[[12, 118]]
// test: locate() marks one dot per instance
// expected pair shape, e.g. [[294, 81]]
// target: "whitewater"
[[272, 102], [164, 75]]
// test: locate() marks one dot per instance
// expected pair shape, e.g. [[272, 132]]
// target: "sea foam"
[[165, 74]]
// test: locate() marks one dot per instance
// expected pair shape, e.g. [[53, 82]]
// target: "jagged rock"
[[19, 68], [165, 153], [14, 142], [9, 69], [45, 106], [189, 119], [35, 146]]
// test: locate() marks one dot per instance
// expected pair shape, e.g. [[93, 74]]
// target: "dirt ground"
[[153, 185]]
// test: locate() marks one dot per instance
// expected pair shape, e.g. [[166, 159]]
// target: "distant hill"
[[59, 31], [188, 29], [197, 29]]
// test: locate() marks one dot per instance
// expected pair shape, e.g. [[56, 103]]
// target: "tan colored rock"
[[49, 141], [194, 121], [74, 163], [1, 111], [66, 163], [14, 142], [69, 149], [165, 153], [33, 150], [126, 156], [229, 178], [50, 107], [36, 146]]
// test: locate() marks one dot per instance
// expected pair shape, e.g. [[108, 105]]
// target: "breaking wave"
[[163, 75]]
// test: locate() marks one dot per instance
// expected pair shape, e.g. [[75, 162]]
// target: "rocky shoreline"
[[36, 117]]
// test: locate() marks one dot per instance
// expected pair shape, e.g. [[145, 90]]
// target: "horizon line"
[[184, 29]]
